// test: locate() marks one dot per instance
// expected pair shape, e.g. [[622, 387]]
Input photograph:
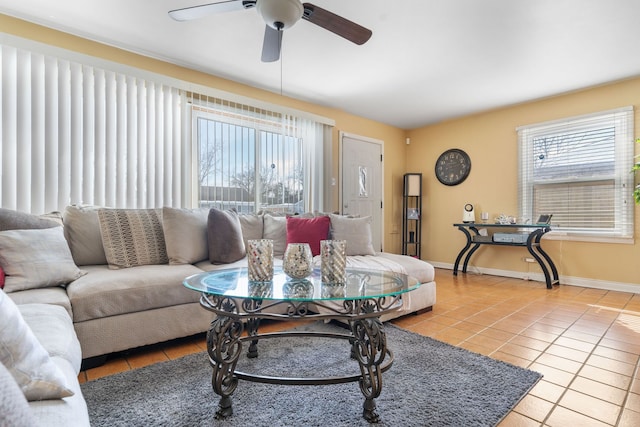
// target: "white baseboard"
[[564, 280]]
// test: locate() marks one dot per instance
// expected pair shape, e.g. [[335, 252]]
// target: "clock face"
[[453, 167]]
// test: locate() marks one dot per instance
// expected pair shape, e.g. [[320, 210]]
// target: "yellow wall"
[[491, 141], [394, 138]]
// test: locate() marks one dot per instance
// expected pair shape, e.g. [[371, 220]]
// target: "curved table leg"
[[369, 348], [224, 348], [461, 254], [468, 257], [536, 251]]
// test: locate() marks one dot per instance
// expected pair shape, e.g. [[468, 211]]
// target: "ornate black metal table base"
[[367, 339]]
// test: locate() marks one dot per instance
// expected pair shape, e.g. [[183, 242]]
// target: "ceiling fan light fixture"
[[280, 14]]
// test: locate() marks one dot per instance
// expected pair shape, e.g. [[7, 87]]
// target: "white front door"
[[361, 181]]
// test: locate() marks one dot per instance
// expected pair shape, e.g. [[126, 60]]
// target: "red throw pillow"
[[308, 230], [1, 278]]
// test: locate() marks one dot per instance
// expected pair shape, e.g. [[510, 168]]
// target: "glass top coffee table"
[[239, 303]]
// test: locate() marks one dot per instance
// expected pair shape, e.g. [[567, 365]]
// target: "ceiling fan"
[[279, 15]]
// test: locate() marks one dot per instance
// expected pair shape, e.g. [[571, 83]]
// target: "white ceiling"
[[428, 60]]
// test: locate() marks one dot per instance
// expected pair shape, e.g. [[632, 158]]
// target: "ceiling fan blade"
[[336, 24], [271, 45], [195, 12]]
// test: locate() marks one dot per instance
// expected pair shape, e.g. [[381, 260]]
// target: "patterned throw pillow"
[[132, 237]]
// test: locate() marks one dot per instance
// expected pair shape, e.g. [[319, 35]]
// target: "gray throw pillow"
[[356, 231], [14, 220], [82, 231], [275, 228], [252, 227], [185, 234], [37, 258], [225, 237]]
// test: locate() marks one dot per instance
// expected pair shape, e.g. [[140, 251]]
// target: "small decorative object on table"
[[298, 260], [333, 260], [413, 213], [260, 260], [298, 288]]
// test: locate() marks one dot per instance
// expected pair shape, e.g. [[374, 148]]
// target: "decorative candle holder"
[[260, 260], [298, 260], [333, 261]]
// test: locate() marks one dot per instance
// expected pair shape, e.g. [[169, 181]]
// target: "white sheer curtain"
[[75, 133]]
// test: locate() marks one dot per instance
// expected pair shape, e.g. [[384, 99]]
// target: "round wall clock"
[[453, 166]]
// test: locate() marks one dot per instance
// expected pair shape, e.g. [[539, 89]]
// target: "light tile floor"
[[585, 341]]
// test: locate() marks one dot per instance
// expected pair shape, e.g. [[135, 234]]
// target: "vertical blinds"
[[73, 133], [76, 129], [578, 169]]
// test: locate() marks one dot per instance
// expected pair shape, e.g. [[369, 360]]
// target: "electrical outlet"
[[528, 259]]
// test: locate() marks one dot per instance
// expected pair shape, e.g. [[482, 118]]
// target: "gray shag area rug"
[[431, 383]]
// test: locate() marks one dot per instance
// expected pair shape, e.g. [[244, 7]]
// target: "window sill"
[[574, 237]]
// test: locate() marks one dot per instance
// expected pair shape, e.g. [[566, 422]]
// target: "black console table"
[[533, 232]]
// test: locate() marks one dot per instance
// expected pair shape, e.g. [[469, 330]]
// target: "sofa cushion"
[[25, 358], [275, 228], [14, 409], [36, 258], [53, 327], [185, 234], [15, 220], [356, 231], [53, 296], [421, 270], [308, 230], [225, 236], [82, 231], [132, 237], [104, 292]]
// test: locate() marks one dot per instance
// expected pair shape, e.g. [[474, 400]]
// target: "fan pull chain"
[[281, 58]]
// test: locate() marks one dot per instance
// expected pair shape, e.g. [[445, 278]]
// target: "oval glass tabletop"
[[360, 284]]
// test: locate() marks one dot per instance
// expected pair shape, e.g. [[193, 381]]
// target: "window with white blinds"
[[75, 133], [578, 170]]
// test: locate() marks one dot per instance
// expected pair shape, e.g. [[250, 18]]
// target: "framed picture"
[[413, 213]]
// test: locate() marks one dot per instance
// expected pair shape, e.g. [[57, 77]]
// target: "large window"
[[578, 169], [252, 160], [229, 156]]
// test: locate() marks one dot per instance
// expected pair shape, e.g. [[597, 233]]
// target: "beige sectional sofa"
[[117, 274]]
